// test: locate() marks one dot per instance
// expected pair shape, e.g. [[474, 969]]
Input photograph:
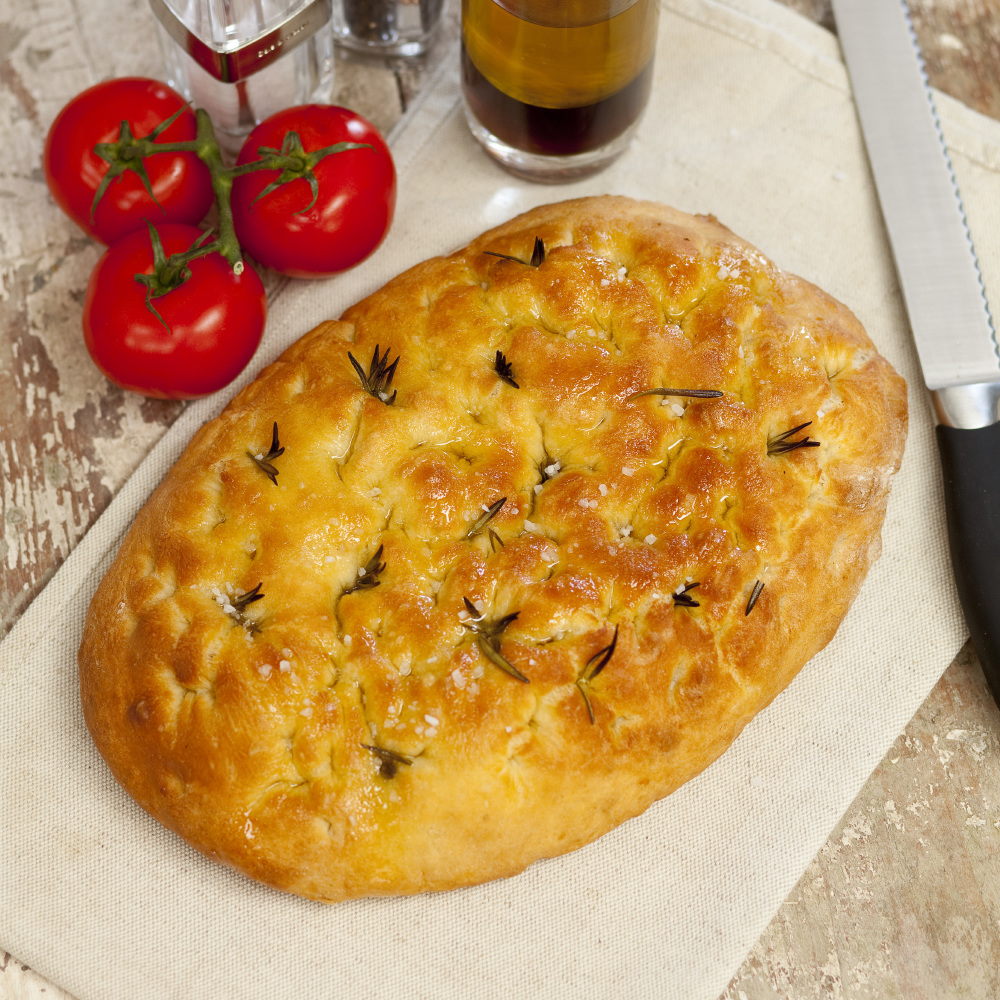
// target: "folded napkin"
[[751, 119]]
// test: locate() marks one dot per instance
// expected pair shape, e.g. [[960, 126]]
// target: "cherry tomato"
[[352, 212], [180, 181], [211, 325]]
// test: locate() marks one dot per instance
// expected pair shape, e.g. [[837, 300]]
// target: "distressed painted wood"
[[904, 898]]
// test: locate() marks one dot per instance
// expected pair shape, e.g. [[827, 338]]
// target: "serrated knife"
[[941, 284]]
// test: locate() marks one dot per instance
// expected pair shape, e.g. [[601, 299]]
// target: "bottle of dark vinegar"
[[557, 78]]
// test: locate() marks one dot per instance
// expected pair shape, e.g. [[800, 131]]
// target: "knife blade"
[[943, 291]]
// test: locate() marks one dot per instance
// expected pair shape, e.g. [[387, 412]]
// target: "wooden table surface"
[[904, 898]]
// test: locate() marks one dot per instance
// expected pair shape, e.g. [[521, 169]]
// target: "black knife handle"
[[970, 463]]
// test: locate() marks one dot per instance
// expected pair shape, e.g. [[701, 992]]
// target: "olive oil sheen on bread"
[[557, 78]]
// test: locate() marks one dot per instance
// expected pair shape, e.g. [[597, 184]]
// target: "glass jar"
[[386, 27], [554, 89]]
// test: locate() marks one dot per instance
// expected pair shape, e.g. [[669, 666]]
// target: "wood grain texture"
[[904, 898]]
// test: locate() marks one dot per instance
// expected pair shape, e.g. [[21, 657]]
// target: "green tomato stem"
[[291, 161], [222, 184]]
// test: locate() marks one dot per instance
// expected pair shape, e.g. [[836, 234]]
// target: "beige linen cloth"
[[751, 120]]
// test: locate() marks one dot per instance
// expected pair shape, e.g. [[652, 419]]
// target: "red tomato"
[[73, 171], [357, 195], [215, 319]]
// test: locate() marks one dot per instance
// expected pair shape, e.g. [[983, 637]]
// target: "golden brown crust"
[[337, 740]]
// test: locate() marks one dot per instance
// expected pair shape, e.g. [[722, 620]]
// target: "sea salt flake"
[[603, 490], [649, 539], [538, 488], [347, 640], [265, 670], [284, 666], [627, 471], [626, 530], [677, 408], [306, 712], [479, 606]]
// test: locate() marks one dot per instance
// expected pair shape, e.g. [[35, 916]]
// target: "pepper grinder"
[[386, 27], [243, 60]]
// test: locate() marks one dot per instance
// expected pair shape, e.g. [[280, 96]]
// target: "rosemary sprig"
[[240, 603], [495, 539], [593, 667], [684, 600], [754, 594], [781, 444], [693, 393], [485, 519], [266, 462], [502, 367], [237, 606], [368, 576], [389, 758], [488, 638], [537, 254], [379, 377]]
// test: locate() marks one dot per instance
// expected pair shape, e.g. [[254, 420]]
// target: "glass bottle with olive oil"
[[554, 88]]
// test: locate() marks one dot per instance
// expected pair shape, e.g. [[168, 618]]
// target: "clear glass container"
[[386, 27], [554, 89], [243, 60]]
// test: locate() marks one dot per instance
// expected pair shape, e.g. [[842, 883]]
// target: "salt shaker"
[[242, 60]]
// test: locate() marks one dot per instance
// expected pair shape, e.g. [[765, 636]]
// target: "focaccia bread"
[[485, 568]]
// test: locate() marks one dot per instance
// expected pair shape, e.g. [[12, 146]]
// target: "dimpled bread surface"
[[305, 659]]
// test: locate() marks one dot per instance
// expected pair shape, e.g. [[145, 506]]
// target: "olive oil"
[[562, 77]]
